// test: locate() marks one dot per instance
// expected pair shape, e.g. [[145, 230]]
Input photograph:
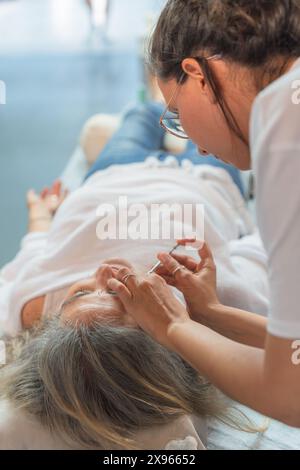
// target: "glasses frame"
[[175, 94]]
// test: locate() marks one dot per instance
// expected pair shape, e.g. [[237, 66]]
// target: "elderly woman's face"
[[89, 300]]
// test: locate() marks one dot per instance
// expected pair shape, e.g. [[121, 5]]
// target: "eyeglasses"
[[170, 120]]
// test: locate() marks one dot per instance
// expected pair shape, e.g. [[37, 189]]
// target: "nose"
[[202, 152]]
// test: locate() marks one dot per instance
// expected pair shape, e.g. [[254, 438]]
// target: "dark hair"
[[252, 33]]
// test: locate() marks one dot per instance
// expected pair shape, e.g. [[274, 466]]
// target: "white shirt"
[[71, 251], [275, 146]]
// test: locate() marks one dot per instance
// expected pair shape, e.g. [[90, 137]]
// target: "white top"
[[71, 250], [275, 146]]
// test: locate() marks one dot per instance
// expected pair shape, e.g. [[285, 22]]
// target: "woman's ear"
[[193, 69]]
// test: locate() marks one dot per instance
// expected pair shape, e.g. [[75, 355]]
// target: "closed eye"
[[81, 292], [77, 295]]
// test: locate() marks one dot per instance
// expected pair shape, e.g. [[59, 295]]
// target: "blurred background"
[[62, 61]]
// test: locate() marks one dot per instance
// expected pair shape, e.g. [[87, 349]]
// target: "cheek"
[[196, 119], [205, 127]]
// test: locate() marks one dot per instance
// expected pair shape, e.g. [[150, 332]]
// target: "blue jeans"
[[140, 136]]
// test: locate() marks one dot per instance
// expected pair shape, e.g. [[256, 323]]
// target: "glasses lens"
[[172, 123]]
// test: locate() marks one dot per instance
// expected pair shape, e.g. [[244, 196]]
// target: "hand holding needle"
[[152, 270], [159, 263]]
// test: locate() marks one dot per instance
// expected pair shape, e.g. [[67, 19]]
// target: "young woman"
[[230, 71]]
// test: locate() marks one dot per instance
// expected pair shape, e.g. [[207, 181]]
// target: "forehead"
[[91, 307]]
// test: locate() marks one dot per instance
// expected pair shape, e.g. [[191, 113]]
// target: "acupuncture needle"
[[152, 270], [159, 263]]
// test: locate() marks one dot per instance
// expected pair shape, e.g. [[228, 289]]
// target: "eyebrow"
[[72, 299]]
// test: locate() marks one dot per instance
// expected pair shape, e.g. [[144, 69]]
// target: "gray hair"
[[97, 385]]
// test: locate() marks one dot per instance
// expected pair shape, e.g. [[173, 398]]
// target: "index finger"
[[186, 261], [121, 290], [173, 267], [56, 188], [185, 241]]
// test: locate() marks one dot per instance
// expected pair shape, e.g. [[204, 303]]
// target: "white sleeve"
[[278, 208], [31, 245], [276, 160]]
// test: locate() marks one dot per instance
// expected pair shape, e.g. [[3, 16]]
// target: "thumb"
[[207, 258], [31, 197]]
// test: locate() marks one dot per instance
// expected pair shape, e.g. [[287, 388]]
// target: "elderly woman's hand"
[[151, 302], [196, 280], [42, 207]]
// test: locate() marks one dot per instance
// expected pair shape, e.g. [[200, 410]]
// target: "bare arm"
[[197, 282], [265, 380], [240, 326]]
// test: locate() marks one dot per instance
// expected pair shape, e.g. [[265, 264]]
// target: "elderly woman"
[[89, 375]]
